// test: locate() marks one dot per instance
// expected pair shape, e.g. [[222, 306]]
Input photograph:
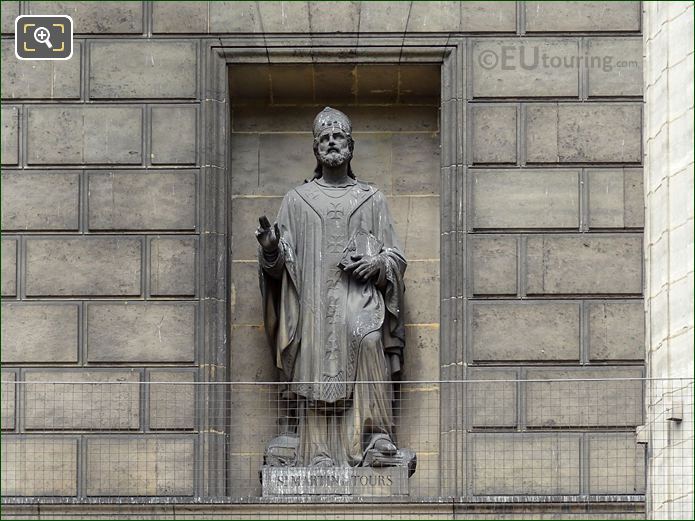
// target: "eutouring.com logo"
[[531, 57]]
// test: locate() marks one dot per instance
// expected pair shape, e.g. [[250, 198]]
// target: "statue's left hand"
[[365, 268]]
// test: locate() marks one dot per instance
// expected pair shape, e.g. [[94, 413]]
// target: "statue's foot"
[[385, 447]]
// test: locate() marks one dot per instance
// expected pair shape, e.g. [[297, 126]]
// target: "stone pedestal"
[[335, 481]]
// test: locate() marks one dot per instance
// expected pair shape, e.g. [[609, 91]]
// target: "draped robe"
[[317, 316]]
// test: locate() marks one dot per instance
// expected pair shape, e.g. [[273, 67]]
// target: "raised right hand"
[[268, 237]]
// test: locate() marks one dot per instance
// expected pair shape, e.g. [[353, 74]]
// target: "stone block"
[[7, 409], [557, 264], [434, 17], [142, 201], [416, 220], [542, 134], [174, 132], [616, 330], [143, 69], [39, 466], [422, 300], [10, 11], [616, 464], [492, 398], [525, 331], [40, 201], [150, 466], [141, 332], [107, 400], [244, 480], [339, 17], [415, 164], [40, 79], [421, 353], [251, 359], [615, 66], [488, 17], [494, 134], [526, 199], [92, 18], [416, 414], [186, 17], [10, 135], [284, 161], [172, 400], [39, 333], [616, 199], [89, 134], [525, 463], [9, 267], [585, 16], [95, 266], [514, 67], [494, 265], [245, 294], [377, 17], [234, 17], [425, 482], [284, 17], [373, 161], [611, 399], [245, 214], [173, 266]]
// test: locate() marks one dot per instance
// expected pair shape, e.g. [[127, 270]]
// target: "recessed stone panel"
[[10, 135], [494, 265], [616, 198], [616, 464], [616, 330], [542, 16], [494, 134], [96, 18], [173, 266], [172, 400], [188, 17], [9, 267], [9, 395], [492, 395], [167, 122], [615, 66]]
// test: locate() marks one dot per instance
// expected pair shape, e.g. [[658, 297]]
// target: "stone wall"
[[668, 138], [107, 196]]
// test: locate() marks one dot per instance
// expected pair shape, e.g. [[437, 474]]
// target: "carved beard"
[[333, 160]]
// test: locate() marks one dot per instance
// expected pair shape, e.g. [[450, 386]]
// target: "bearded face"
[[333, 148]]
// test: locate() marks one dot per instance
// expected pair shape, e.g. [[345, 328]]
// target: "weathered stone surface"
[[245, 295], [172, 405], [97, 266], [616, 198], [341, 481], [141, 332], [111, 404], [541, 134], [173, 266], [167, 122], [10, 11], [416, 220], [92, 18], [568, 401], [422, 302], [339, 17], [284, 159], [421, 355], [234, 17], [40, 79], [494, 134], [10, 135], [525, 463], [488, 16], [7, 408], [245, 214], [615, 66], [44, 333], [526, 199], [525, 331], [525, 67], [582, 16], [187, 17], [378, 17], [494, 265], [616, 330], [434, 17], [417, 417], [284, 17], [39, 466], [142, 201], [9, 267], [415, 164], [89, 134], [145, 69], [616, 464], [491, 403], [557, 264], [250, 357], [40, 201], [151, 466]]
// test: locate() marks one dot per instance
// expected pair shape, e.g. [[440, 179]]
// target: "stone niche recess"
[[396, 126]]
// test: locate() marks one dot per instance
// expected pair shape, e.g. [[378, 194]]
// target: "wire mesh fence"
[[418, 442]]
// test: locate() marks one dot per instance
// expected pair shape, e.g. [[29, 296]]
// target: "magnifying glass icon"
[[42, 35]]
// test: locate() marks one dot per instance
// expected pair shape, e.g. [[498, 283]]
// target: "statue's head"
[[333, 143]]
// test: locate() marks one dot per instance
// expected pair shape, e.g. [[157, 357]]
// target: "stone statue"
[[331, 271]]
